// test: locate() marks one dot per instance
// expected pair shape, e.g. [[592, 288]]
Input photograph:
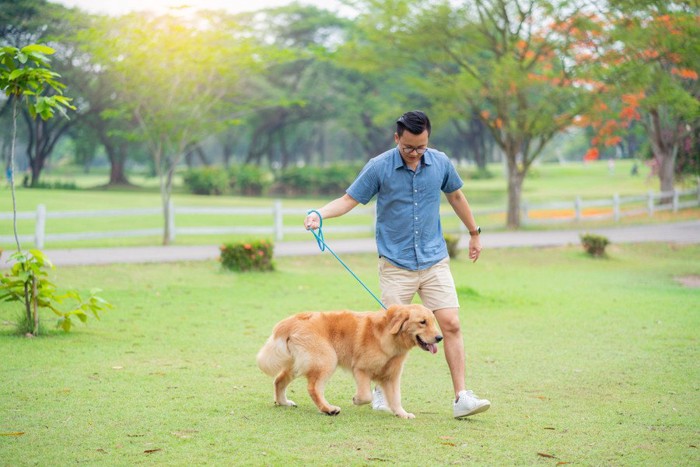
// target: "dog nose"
[[438, 338]]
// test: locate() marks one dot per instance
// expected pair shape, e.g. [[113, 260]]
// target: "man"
[[408, 181]]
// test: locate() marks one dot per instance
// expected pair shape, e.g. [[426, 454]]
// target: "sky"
[[120, 7]]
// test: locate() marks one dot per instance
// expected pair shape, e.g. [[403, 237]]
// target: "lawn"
[[586, 361]]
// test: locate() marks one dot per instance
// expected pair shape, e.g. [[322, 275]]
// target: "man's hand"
[[474, 248], [312, 221]]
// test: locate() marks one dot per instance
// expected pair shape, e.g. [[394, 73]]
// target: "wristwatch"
[[476, 232]]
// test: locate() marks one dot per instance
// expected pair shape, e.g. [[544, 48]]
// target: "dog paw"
[[357, 400], [332, 410], [287, 403]]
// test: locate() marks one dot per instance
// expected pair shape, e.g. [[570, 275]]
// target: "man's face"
[[412, 146]]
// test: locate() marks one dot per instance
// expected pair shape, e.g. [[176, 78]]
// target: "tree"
[[300, 92], [178, 76], [25, 74], [31, 21], [651, 69]]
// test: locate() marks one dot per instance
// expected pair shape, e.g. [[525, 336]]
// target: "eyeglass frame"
[[410, 149]]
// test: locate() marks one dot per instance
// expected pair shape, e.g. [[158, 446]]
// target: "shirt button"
[[416, 204]]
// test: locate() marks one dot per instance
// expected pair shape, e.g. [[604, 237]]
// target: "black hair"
[[415, 122]]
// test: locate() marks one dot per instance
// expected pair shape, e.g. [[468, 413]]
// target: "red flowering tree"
[[650, 67]]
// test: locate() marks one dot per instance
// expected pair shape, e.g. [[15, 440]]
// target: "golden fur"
[[372, 345]]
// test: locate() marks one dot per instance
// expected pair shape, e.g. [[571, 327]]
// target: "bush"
[[452, 245], [28, 283], [309, 180], [249, 180], [594, 244], [206, 181], [250, 256]]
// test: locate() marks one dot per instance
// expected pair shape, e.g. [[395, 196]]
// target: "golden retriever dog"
[[372, 345]]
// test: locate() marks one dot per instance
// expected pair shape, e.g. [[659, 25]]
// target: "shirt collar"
[[427, 158]]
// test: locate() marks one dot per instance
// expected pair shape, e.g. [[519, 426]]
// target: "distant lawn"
[[588, 362]]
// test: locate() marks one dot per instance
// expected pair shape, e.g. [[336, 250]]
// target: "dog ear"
[[396, 320]]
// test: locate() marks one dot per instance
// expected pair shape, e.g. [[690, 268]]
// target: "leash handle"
[[319, 236], [322, 245]]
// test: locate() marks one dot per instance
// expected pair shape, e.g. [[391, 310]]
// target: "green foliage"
[[452, 242], [594, 244], [310, 180], [249, 180], [28, 283], [206, 181], [247, 256], [55, 185], [482, 174], [26, 72]]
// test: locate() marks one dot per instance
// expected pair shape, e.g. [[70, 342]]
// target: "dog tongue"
[[432, 348]]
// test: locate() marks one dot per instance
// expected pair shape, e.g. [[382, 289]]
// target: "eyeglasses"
[[409, 150]]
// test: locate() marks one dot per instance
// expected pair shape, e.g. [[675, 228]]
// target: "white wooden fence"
[[614, 208], [577, 210]]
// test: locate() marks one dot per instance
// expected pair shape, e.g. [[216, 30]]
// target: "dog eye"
[[424, 322]]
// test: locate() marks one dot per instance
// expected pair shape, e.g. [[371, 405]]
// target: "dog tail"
[[274, 355]]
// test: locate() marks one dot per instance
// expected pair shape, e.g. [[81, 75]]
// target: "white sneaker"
[[468, 403], [378, 402]]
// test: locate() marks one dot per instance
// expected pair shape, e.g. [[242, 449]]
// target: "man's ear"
[[398, 318], [396, 138]]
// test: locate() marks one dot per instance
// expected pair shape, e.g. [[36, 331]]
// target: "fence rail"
[[577, 210]]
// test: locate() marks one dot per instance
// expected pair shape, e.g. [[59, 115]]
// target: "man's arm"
[[335, 208], [460, 205]]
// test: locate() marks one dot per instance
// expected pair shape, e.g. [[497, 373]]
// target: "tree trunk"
[[117, 162], [664, 146], [515, 188]]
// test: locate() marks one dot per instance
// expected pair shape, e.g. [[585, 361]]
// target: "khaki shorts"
[[434, 285]]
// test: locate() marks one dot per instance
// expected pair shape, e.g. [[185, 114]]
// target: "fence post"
[[40, 226], [524, 212], [616, 207], [278, 220], [675, 199], [650, 203], [577, 208], [171, 221]]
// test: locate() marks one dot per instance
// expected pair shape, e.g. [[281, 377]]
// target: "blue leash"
[[322, 245]]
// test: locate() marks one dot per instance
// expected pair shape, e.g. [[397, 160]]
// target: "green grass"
[[591, 361], [546, 182]]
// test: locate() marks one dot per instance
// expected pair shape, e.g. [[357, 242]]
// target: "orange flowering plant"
[[247, 256]]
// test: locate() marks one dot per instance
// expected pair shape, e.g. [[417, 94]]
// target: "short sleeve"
[[366, 185], [451, 181]]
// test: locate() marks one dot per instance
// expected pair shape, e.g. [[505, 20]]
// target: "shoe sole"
[[477, 410], [382, 408]]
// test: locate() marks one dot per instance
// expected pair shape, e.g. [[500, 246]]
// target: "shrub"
[[310, 180], [247, 256], [56, 185], [249, 180], [28, 283], [452, 245], [206, 181], [594, 244]]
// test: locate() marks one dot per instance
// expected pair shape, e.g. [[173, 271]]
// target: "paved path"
[[678, 232]]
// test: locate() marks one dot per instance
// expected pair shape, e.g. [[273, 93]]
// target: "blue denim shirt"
[[409, 232]]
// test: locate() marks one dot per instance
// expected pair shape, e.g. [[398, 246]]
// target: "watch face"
[[478, 230]]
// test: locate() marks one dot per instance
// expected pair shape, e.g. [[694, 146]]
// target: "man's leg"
[[453, 343]]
